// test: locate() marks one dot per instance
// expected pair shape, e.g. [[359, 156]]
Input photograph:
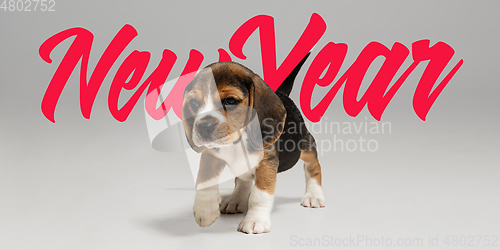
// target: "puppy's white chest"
[[239, 160]]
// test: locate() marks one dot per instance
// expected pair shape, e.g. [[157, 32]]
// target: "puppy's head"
[[222, 99]]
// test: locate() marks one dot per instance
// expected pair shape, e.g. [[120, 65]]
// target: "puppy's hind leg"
[[238, 200], [313, 196]]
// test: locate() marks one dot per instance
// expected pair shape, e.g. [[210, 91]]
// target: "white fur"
[[313, 196], [258, 218], [209, 108], [237, 201], [206, 206], [212, 182], [238, 159]]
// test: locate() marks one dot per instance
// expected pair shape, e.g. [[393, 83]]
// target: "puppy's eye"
[[194, 104], [230, 101]]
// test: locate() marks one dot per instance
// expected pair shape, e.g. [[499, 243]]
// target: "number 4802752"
[[28, 5]]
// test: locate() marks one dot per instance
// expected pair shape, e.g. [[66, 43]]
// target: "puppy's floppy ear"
[[270, 110]]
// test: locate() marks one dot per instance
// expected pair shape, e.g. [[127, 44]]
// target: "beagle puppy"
[[219, 104]]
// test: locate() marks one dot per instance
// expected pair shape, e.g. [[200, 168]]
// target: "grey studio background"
[[98, 183]]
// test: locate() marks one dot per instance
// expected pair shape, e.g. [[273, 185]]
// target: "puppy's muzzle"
[[206, 129], [206, 126]]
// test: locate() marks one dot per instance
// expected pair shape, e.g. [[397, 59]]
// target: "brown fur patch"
[[265, 173], [236, 118], [226, 91], [314, 169]]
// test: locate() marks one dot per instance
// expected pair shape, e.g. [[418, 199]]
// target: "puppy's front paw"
[[255, 224], [234, 204], [206, 212], [313, 198]]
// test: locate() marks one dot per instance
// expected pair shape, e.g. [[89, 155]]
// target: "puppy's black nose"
[[206, 129]]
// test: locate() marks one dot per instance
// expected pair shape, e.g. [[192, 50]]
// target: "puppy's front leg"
[[207, 199], [237, 201], [260, 203]]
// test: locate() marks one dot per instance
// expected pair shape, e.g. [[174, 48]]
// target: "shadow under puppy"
[[218, 107]]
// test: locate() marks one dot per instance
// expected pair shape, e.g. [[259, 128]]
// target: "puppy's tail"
[[287, 85]]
